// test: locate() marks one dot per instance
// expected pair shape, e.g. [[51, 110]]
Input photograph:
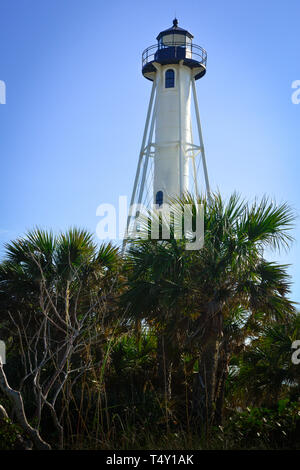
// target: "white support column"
[[141, 155], [148, 145], [194, 163], [180, 133], [201, 139]]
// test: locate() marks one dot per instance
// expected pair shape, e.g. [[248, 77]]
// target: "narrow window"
[[159, 198], [170, 79]]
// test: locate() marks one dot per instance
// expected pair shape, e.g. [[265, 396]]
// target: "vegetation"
[[160, 347]]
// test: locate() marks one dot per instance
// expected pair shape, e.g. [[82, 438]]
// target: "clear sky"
[[71, 129]]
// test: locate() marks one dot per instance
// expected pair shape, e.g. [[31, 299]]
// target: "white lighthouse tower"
[[169, 159]]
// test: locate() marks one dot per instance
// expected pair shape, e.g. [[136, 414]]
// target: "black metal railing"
[[186, 51]]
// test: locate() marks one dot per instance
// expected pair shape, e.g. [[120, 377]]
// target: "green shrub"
[[262, 428], [9, 434]]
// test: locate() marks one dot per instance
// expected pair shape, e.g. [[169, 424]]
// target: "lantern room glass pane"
[[188, 53], [171, 39]]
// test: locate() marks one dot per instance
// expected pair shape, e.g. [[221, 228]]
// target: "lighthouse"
[[169, 158]]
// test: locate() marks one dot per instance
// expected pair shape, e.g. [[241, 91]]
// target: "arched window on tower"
[[159, 198], [170, 78]]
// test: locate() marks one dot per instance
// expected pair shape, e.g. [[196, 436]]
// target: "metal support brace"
[[148, 151], [193, 147], [141, 155], [201, 139]]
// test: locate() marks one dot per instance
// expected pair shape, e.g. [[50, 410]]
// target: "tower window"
[[159, 199], [170, 79]]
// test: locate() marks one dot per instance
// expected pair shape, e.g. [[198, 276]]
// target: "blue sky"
[[71, 129]]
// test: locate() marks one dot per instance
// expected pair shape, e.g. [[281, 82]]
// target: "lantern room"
[[173, 46]]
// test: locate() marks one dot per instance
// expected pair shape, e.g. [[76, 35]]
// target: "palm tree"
[[156, 294], [265, 368], [190, 295], [57, 295], [60, 261], [72, 270]]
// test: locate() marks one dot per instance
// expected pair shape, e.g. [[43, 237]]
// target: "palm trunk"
[[222, 373], [204, 386], [208, 372], [164, 367]]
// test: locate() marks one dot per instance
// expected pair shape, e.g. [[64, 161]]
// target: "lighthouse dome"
[[173, 46], [174, 34]]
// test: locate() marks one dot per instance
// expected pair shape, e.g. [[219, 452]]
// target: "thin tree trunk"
[[208, 370], [17, 401], [164, 367], [222, 373], [3, 413], [138, 330], [204, 385]]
